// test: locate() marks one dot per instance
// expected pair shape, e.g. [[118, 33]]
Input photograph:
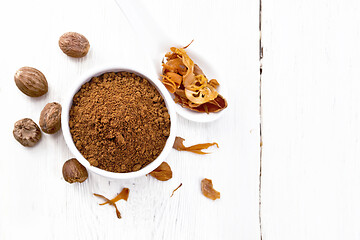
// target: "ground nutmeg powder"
[[119, 122]]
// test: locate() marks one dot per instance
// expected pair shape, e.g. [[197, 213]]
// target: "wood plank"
[[310, 171]]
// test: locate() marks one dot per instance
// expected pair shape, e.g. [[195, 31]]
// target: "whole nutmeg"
[[50, 118], [31, 81], [27, 132], [73, 171], [74, 44]]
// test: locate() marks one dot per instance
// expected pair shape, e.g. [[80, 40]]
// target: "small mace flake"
[[124, 194], [175, 190], [179, 145], [208, 190], [162, 172]]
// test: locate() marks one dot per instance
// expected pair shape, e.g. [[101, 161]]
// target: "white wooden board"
[[35, 201], [310, 105]]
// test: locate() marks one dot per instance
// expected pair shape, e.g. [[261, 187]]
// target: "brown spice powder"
[[119, 122]]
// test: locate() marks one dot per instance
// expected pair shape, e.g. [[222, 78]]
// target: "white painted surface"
[[36, 203], [310, 103]]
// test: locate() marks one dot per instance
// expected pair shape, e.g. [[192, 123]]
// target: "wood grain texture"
[[310, 104], [36, 203]]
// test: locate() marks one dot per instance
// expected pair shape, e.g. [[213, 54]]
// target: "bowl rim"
[[67, 103]]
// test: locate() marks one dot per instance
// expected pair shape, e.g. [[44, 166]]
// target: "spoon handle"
[[150, 35]]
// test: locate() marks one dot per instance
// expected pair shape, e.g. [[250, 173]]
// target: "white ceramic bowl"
[[67, 103]]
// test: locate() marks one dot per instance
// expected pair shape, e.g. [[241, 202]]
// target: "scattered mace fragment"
[[124, 194], [162, 172], [208, 190], [179, 145], [172, 194]]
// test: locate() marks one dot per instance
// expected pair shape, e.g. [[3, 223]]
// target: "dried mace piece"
[[185, 79], [175, 190], [179, 145], [162, 172], [27, 132], [124, 194], [208, 190], [73, 171], [111, 203], [31, 81], [74, 44], [50, 118]]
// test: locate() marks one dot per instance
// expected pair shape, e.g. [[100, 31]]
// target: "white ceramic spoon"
[[156, 43]]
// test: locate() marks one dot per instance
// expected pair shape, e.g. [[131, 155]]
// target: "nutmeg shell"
[[74, 44], [73, 171], [31, 81], [50, 118]]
